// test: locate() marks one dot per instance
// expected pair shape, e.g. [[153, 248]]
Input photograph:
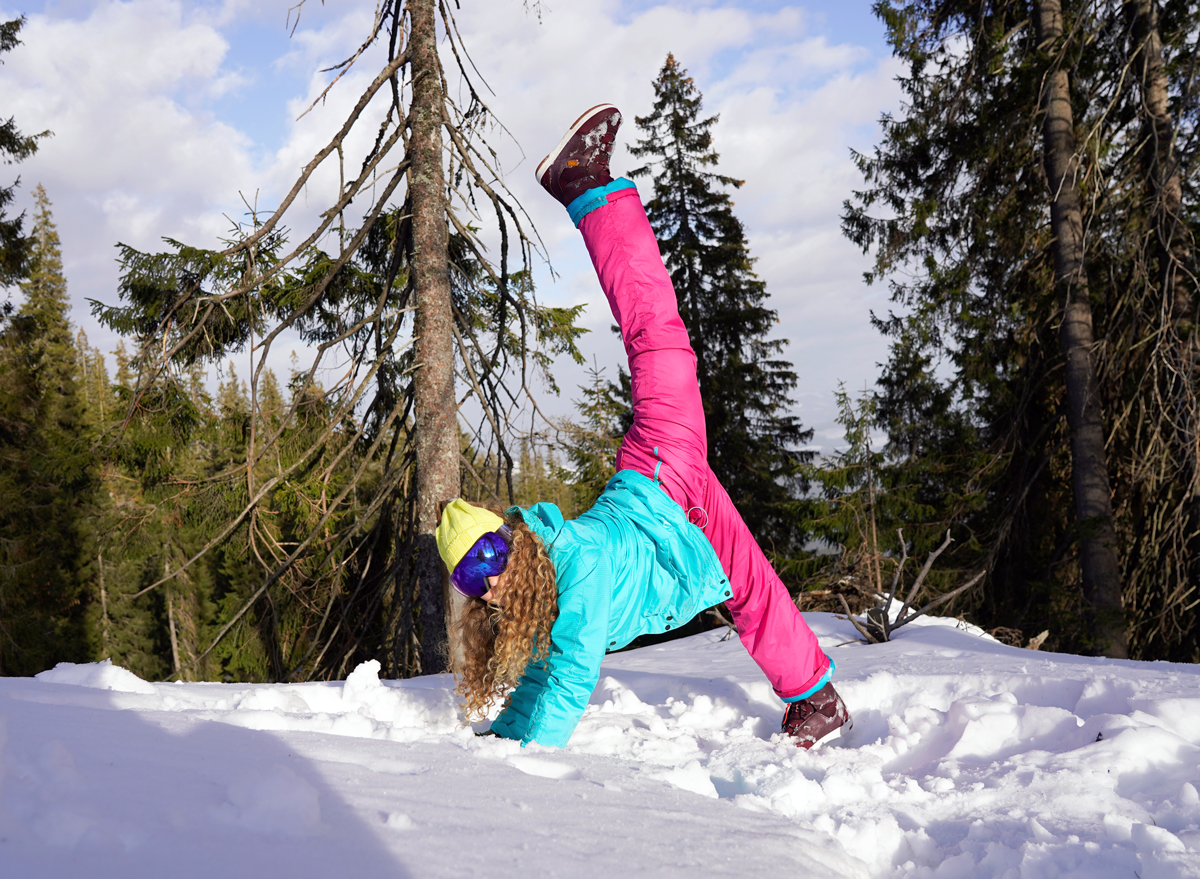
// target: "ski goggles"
[[487, 557]]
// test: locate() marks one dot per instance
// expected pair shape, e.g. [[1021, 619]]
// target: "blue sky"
[[167, 112]]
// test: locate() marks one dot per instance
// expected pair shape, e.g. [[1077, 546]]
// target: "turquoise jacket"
[[631, 565]]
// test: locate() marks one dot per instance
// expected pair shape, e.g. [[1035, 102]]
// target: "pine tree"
[[131, 632], [865, 506], [94, 382], [1029, 211], [592, 446], [745, 385], [47, 481], [14, 147]]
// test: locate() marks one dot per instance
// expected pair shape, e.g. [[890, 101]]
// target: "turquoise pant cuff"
[[825, 678], [595, 198]]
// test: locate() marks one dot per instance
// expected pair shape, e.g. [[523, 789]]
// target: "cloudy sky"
[[168, 115]]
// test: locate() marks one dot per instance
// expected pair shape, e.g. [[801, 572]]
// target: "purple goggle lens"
[[488, 557]]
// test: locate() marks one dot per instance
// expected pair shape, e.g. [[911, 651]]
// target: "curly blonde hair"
[[499, 643]]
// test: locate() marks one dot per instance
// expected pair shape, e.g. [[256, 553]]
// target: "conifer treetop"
[[677, 140], [45, 289]]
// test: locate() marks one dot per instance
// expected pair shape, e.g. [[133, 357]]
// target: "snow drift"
[[967, 758]]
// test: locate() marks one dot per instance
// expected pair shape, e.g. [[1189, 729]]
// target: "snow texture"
[[968, 758]]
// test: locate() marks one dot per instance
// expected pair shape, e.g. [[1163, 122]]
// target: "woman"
[[661, 543]]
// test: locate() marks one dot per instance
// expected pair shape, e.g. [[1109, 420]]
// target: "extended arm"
[[552, 694]]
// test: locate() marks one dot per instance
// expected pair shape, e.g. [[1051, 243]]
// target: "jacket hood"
[[544, 519]]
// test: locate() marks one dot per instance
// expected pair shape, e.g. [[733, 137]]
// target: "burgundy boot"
[[810, 720], [580, 161]]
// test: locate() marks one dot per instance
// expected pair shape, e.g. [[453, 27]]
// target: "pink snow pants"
[[668, 441]]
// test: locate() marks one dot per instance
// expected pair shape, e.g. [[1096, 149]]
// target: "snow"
[[968, 758]]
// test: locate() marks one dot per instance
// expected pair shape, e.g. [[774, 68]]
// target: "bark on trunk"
[[1089, 460], [174, 641], [1173, 253], [433, 384]]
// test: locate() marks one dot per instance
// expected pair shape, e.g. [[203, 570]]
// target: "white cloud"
[[133, 91], [136, 154]]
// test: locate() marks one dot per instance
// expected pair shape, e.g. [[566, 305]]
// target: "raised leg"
[[668, 442]]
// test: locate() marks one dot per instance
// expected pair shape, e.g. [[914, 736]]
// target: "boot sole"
[[545, 164]]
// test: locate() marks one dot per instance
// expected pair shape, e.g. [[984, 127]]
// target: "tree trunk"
[[433, 384], [1089, 459], [174, 640], [1173, 255], [104, 652]]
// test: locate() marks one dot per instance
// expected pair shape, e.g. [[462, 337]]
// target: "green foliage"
[[14, 147], [204, 305], [485, 307], [592, 446], [956, 213], [854, 503], [266, 533], [47, 478], [866, 504], [267, 527], [160, 531], [955, 210]]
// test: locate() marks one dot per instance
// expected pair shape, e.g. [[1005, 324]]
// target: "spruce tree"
[[14, 147], [1022, 137], [127, 631], [94, 382], [745, 384], [592, 446], [47, 483]]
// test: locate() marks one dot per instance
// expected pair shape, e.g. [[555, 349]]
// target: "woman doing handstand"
[[662, 542]]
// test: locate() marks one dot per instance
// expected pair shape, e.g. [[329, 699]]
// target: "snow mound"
[[362, 706], [99, 676]]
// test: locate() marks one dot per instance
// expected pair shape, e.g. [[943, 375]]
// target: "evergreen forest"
[[1032, 435]]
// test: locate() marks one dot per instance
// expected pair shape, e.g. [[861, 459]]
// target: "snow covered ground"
[[967, 759]]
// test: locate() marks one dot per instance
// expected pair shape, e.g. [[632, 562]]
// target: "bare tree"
[[338, 493], [433, 384], [879, 624]]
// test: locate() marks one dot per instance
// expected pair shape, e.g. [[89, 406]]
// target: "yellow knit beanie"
[[462, 524]]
